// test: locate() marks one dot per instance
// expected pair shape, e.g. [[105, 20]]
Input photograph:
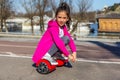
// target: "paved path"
[[97, 60], [86, 49], [21, 69]]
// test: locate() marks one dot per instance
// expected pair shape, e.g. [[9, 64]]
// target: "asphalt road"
[[85, 49], [96, 61], [21, 69]]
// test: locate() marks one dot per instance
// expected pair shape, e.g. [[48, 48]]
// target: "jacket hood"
[[52, 23]]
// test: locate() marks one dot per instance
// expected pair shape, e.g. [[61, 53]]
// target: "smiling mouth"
[[61, 23]]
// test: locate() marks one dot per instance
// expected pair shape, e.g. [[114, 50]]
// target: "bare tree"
[[69, 2], [83, 6], [5, 12], [53, 7], [30, 8], [62, 1], [41, 7]]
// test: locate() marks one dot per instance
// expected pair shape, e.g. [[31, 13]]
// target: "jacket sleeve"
[[58, 41], [71, 43]]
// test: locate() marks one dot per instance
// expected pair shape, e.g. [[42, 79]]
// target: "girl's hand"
[[70, 57], [74, 55]]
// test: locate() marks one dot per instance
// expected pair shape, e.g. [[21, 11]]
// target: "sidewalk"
[[88, 47], [98, 38], [91, 64]]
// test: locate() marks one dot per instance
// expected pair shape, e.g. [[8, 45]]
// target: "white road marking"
[[10, 54], [3, 45], [14, 56], [98, 61]]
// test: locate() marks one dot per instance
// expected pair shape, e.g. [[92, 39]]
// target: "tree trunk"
[[6, 29], [53, 14], [74, 27], [41, 25], [1, 25], [32, 28]]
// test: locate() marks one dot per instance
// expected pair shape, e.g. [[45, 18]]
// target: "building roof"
[[112, 15]]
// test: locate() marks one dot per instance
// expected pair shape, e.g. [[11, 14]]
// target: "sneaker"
[[65, 58], [51, 60], [34, 65], [68, 64], [60, 56]]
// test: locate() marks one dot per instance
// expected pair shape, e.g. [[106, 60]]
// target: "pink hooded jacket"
[[52, 36]]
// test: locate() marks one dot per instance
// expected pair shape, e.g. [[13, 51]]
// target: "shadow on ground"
[[114, 49]]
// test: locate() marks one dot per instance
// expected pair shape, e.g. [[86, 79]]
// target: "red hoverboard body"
[[45, 67]]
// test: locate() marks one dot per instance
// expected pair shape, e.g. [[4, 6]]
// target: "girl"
[[56, 37]]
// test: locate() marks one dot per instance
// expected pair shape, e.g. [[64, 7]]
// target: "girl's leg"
[[54, 48]]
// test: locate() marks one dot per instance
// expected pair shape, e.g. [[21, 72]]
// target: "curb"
[[19, 36], [98, 38]]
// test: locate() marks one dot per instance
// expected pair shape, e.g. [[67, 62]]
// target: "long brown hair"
[[64, 7]]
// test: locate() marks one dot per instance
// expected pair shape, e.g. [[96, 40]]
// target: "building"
[[109, 24], [25, 24]]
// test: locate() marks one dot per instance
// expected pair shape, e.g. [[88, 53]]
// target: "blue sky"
[[97, 4]]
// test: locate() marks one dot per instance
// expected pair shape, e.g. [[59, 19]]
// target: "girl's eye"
[[64, 17], [59, 17]]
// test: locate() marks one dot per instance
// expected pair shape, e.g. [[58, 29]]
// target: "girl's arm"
[[54, 31], [71, 43]]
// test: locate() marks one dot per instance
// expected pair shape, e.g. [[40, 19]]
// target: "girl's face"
[[61, 18]]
